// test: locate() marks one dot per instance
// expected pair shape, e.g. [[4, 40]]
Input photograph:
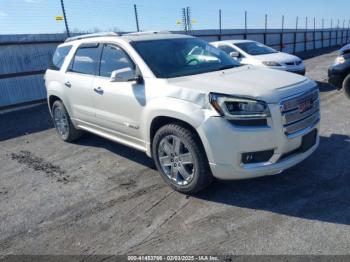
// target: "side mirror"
[[124, 75], [234, 54]]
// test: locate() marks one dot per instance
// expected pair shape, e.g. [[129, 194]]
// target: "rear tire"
[[63, 124], [180, 158], [346, 86]]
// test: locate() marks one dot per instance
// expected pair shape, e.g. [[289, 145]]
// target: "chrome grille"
[[300, 112]]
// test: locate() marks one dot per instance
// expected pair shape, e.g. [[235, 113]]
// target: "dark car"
[[339, 72]]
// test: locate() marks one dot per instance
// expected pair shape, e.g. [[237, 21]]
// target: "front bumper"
[[225, 143]]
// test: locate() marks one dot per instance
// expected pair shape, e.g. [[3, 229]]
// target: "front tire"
[[346, 86], [63, 124], [181, 159]]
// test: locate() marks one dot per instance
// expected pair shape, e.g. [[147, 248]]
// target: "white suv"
[[198, 116]]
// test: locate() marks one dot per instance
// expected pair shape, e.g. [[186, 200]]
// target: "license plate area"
[[308, 141]]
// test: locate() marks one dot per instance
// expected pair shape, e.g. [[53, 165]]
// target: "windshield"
[[255, 48], [169, 58]]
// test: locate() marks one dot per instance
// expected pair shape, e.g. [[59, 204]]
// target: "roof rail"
[[91, 35], [148, 33]]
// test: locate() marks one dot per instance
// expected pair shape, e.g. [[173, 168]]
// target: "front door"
[[118, 105]]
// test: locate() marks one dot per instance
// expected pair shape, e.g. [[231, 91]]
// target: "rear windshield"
[[59, 56]]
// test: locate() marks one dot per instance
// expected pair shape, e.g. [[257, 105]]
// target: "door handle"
[[99, 90], [68, 84]]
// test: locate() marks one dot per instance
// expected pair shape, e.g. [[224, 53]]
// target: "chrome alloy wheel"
[[176, 160], [61, 122]]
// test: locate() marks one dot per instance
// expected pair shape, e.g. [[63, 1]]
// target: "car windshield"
[[255, 48], [169, 58]]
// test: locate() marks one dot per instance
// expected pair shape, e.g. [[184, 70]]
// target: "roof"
[[130, 37], [235, 41], [148, 37]]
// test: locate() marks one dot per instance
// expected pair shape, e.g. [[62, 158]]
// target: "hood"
[[344, 48], [258, 83], [277, 57]]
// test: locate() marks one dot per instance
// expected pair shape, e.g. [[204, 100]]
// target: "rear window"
[[59, 57]]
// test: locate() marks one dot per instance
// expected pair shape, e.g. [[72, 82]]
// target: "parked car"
[[197, 118], [339, 72], [254, 53]]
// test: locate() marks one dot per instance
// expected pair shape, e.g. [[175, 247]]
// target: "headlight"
[[271, 63], [235, 108], [339, 60]]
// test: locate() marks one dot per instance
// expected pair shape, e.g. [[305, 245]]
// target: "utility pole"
[[136, 18], [65, 18], [189, 20]]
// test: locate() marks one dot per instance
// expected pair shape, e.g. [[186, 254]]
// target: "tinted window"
[[85, 60], [227, 49], [113, 58], [255, 48], [59, 56], [182, 56]]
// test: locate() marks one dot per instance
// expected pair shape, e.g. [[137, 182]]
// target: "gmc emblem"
[[305, 106]]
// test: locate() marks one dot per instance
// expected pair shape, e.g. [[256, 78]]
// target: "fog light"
[[257, 157]]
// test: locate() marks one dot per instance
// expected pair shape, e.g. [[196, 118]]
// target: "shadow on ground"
[[24, 122], [91, 140], [317, 52], [325, 87], [314, 189]]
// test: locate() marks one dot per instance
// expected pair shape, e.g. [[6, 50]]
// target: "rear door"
[[118, 105], [79, 79]]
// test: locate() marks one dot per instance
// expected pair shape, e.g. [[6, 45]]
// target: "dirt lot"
[[99, 197]]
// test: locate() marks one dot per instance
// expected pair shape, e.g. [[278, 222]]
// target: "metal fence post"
[[314, 33], [347, 32], [281, 34], [220, 24], [136, 18], [305, 34], [336, 43], [322, 33], [295, 35], [331, 33], [265, 31], [342, 32], [245, 24], [65, 18]]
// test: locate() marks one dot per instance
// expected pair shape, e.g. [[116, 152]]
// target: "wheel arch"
[[162, 120]]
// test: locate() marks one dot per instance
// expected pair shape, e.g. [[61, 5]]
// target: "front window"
[[255, 48], [113, 58], [169, 58]]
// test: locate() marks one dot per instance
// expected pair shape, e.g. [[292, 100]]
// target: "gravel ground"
[[99, 197]]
